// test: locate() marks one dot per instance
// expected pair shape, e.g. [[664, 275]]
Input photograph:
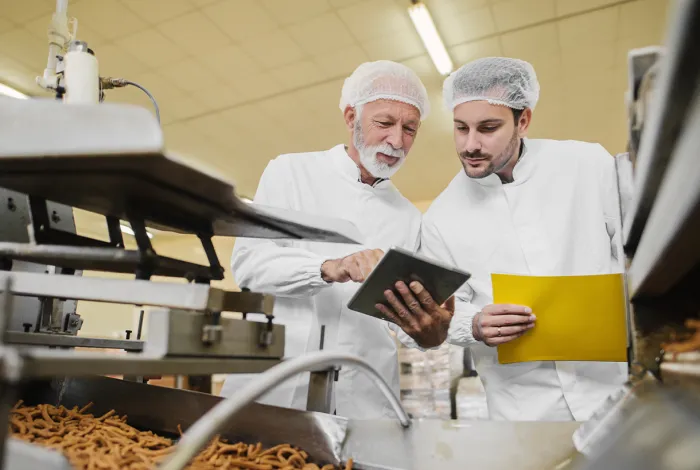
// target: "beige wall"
[[423, 205]]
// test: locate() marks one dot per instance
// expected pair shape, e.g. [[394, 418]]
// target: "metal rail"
[[215, 419], [70, 341], [41, 362], [197, 297]]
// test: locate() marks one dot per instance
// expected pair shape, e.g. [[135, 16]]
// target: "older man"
[[383, 104]]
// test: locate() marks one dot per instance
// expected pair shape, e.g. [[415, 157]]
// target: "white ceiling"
[[241, 81]]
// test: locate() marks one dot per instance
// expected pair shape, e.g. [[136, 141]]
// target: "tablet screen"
[[441, 281]]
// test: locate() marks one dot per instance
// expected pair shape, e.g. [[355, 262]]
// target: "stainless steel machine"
[[55, 157], [110, 160], [655, 423]]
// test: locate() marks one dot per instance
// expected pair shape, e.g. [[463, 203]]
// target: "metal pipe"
[[201, 432]]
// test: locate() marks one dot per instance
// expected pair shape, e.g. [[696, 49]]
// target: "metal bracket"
[[217, 271], [212, 330], [114, 229], [322, 384], [148, 254], [321, 390], [43, 234], [184, 333], [267, 336]]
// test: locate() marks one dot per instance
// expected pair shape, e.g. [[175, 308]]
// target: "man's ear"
[[350, 115], [524, 122]]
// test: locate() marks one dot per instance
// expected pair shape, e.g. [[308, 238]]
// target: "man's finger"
[[389, 314], [407, 318], [449, 305], [503, 339], [409, 299], [493, 331], [355, 271], [506, 320], [423, 296], [509, 309], [365, 267], [377, 256]]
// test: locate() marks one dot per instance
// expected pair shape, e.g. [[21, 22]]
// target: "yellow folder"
[[579, 318]]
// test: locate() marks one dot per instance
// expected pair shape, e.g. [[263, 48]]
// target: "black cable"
[[153, 100]]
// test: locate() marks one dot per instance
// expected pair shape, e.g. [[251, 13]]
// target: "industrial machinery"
[[70, 155], [655, 423], [110, 160]]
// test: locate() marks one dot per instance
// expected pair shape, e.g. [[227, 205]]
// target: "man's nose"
[[473, 143], [395, 138]]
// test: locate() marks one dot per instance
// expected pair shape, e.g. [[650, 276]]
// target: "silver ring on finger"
[[499, 331]]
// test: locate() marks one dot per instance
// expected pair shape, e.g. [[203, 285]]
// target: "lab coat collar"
[[522, 171], [349, 168]]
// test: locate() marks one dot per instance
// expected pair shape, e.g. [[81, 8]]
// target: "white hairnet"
[[498, 80], [387, 80]]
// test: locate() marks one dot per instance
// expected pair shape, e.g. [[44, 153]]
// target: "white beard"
[[368, 155]]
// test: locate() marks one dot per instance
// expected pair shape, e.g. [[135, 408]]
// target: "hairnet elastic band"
[[489, 100], [423, 113]]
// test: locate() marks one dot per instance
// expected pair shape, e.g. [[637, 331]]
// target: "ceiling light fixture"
[[11, 92], [429, 35], [126, 229]]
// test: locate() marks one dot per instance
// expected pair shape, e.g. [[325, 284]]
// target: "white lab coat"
[[326, 184], [560, 216]]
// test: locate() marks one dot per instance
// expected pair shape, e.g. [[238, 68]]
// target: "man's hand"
[[418, 315], [355, 267], [501, 323]]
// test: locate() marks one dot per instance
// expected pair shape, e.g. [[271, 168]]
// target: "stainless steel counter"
[[453, 445]]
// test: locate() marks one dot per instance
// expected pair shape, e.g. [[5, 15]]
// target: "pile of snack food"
[[108, 442]]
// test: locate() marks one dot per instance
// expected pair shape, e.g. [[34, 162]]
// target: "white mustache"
[[387, 149]]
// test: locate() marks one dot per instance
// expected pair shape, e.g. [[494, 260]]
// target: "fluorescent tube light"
[[431, 39], [11, 92]]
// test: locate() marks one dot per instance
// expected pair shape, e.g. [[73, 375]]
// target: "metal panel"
[[456, 445], [669, 246], [15, 218], [676, 84], [40, 362], [20, 455], [661, 430], [682, 370], [161, 409], [179, 333]]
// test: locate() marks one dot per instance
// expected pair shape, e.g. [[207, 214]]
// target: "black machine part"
[[14, 227]]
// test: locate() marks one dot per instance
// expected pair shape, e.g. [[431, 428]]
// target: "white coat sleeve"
[[611, 209], [432, 245], [276, 267]]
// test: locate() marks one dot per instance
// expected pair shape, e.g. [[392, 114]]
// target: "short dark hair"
[[516, 114]]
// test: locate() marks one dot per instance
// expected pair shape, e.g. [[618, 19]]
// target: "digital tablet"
[[440, 280]]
